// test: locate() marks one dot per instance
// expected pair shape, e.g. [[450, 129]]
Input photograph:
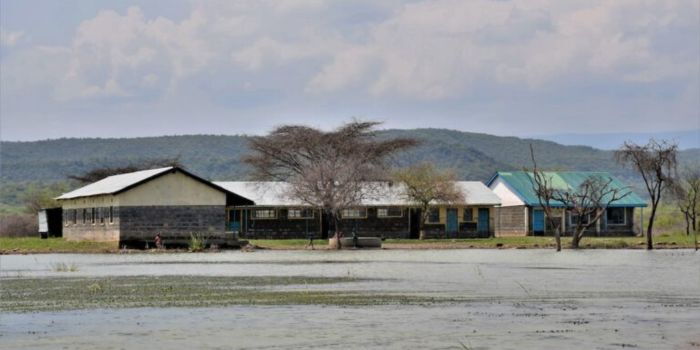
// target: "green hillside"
[[473, 156]]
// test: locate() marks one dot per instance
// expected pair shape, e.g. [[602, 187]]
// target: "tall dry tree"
[[424, 185], [328, 170], [656, 163], [687, 196], [544, 189]]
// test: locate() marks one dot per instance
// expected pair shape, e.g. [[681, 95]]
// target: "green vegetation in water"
[[68, 293], [64, 267]]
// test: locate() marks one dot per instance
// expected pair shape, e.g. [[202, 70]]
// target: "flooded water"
[[518, 299]]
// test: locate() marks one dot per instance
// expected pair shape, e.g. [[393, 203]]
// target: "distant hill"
[[687, 139], [474, 156]]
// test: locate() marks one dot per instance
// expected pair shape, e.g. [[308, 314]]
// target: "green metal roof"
[[521, 183]]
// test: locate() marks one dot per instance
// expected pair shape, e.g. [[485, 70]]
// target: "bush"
[[19, 225], [196, 243]]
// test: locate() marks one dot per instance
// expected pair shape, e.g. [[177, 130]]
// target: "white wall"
[[506, 193]]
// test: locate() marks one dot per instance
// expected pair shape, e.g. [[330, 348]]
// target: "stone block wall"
[[174, 223], [79, 226], [511, 221]]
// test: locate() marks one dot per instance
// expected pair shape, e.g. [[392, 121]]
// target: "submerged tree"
[[588, 201], [656, 163], [328, 170], [99, 173], [424, 185]]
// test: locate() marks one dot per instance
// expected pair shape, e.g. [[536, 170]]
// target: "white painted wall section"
[[506, 193]]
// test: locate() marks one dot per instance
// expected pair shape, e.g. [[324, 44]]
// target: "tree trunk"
[[557, 238], [650, 226], [687, 224], [576, 237]]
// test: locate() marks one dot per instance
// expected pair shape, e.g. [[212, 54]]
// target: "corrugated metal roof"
[[521, 182], [114, 183], [277, 193]]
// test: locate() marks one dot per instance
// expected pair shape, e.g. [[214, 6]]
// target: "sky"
[[163, 67]]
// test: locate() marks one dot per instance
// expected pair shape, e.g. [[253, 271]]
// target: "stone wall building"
[[383, 213], [132, 208]]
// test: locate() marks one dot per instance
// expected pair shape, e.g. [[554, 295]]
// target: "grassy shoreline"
[[677, 240]]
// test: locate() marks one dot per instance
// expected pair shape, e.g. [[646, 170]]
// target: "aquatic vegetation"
[[64, 267]]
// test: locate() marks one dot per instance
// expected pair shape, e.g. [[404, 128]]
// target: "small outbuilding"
[[520, 213], [132, 208]]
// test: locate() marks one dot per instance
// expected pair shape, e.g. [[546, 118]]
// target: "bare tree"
[[589, 202], [544, 189], [99, 173], [424, 185], [656, 163], [687, 195], [328, 170]]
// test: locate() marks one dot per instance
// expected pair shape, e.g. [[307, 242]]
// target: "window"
[[616, 216], [389, 212], [264, 214], [85, 213], [353, 213], [434, 215], [75, 216], [111, 215], [101, 214], [298, 213], [575, 219], [468, 215], [93, 216]]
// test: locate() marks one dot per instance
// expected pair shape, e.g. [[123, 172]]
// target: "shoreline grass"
[[676, 240]]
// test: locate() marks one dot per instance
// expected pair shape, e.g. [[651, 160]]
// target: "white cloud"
[[417, 55]]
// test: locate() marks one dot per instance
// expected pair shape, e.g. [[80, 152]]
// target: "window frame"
[[624, 216], [111, 214], [572, 223], [387, 209], [359, 211], [430, 216], [93, 213], [84, 218], [471, 214], [301, 211], [254, 213]]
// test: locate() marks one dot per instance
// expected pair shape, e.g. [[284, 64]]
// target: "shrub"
[[196, 243], [19, 225]]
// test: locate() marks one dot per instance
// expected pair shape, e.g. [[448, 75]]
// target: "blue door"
[[538, 221], [451, 221], [483, 223]]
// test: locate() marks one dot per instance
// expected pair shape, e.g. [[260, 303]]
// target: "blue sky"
[[129, 68]]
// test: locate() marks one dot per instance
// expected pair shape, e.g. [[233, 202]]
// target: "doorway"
[[452, 225]]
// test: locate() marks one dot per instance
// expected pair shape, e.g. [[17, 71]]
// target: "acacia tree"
[[101, 172], [328, 170], [687, 195], [424, 185], [544, 189], [656, 163]]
